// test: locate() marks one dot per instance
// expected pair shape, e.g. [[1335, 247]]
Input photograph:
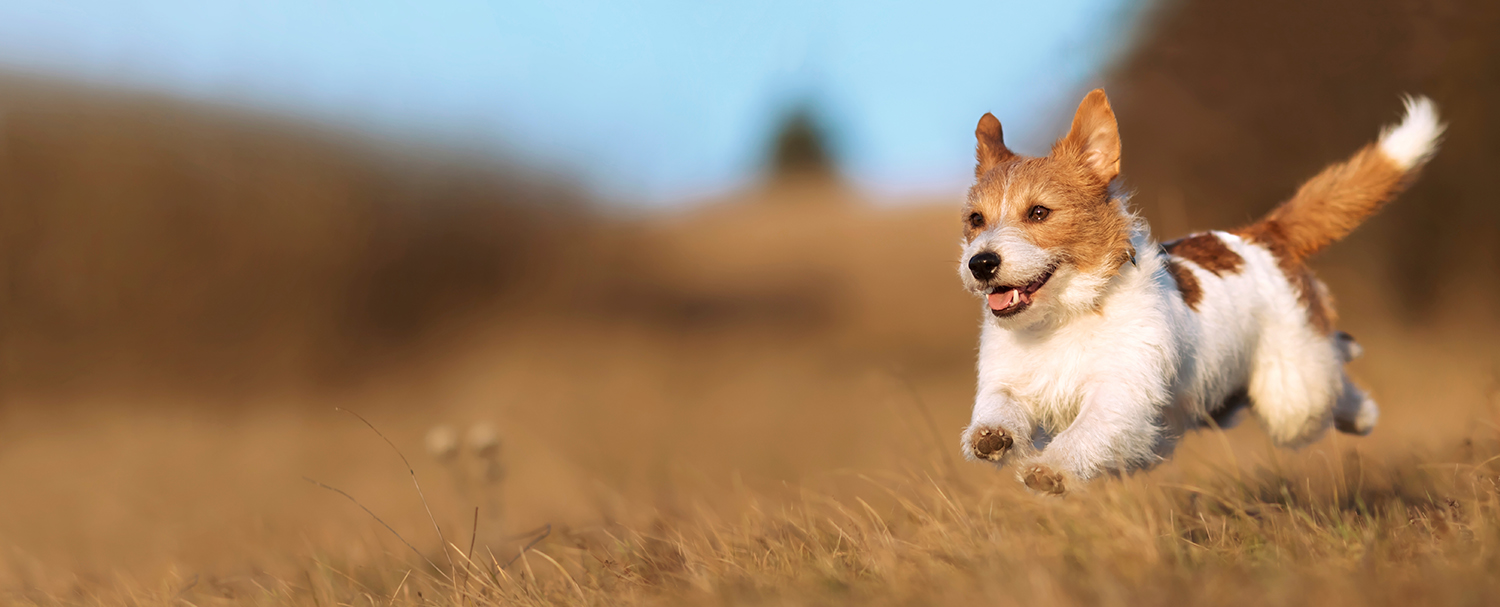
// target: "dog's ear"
[[1095, 137], [991, 149]]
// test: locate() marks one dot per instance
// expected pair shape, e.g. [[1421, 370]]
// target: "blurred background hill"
[[150, 241], [188, 284]]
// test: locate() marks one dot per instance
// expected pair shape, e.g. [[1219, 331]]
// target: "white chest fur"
[[1132, 342]]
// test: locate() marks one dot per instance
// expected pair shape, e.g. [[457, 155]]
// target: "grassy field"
[[756, 402], [757, 410]]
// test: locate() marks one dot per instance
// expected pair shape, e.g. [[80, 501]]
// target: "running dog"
[[1100, 348]]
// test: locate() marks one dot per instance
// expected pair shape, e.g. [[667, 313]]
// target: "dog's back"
[[1265, 322]]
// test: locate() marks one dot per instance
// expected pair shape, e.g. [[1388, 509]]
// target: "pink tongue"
[[1001, 301]]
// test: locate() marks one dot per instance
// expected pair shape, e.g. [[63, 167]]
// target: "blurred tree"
[[801, 149]]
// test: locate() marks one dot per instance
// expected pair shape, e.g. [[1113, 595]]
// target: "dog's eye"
[[976, 220], [1038, 213]]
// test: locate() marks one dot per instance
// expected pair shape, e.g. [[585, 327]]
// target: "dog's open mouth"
[[1008, 301]]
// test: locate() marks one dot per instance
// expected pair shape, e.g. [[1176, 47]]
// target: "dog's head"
[[1043, 236]]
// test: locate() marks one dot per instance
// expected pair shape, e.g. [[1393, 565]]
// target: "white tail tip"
[[1413, 141]]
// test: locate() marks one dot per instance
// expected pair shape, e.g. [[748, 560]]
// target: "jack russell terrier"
[[1100, 348]]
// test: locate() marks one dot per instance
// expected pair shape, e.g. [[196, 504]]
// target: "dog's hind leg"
[[1356, 412], [1296, 379]]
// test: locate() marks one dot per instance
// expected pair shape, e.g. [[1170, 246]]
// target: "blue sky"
[[648, 102]]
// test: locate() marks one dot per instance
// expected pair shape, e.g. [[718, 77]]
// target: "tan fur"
[[1085, 223], [1310, 290], [1331, 204], [1095, 136], [1208, 252], [990, 149], [1326, 208], [1187, 284]]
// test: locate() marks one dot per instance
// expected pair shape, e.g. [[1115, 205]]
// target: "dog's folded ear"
[[991, 149], [1095, 137]]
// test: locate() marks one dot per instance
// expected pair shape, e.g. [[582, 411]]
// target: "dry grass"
[[1351, 534], [1330, 526], [745, 457]]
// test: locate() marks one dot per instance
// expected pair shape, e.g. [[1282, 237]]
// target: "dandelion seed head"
[[483, 440], [442, 442]]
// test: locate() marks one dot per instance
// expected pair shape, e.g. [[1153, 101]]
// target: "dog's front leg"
[[1118, 428], [1000, 429]]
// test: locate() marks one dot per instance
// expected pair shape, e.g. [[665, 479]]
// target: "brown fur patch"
[[1208, 252], [1187, 284], [1314, 296], [1319, 302]]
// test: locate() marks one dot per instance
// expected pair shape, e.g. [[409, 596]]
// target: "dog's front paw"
[[1043, 479], [987, 442]]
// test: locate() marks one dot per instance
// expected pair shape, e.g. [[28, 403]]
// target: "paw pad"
[[991, 444], [1043, 480]]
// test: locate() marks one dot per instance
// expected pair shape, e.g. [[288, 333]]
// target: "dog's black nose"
[[984, 265]]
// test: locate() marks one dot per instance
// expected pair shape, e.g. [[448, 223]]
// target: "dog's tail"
[[1330, 205]]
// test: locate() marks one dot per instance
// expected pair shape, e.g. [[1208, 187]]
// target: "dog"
[[1099, 348]]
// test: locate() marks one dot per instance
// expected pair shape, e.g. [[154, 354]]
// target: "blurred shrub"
[[144, 239]]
